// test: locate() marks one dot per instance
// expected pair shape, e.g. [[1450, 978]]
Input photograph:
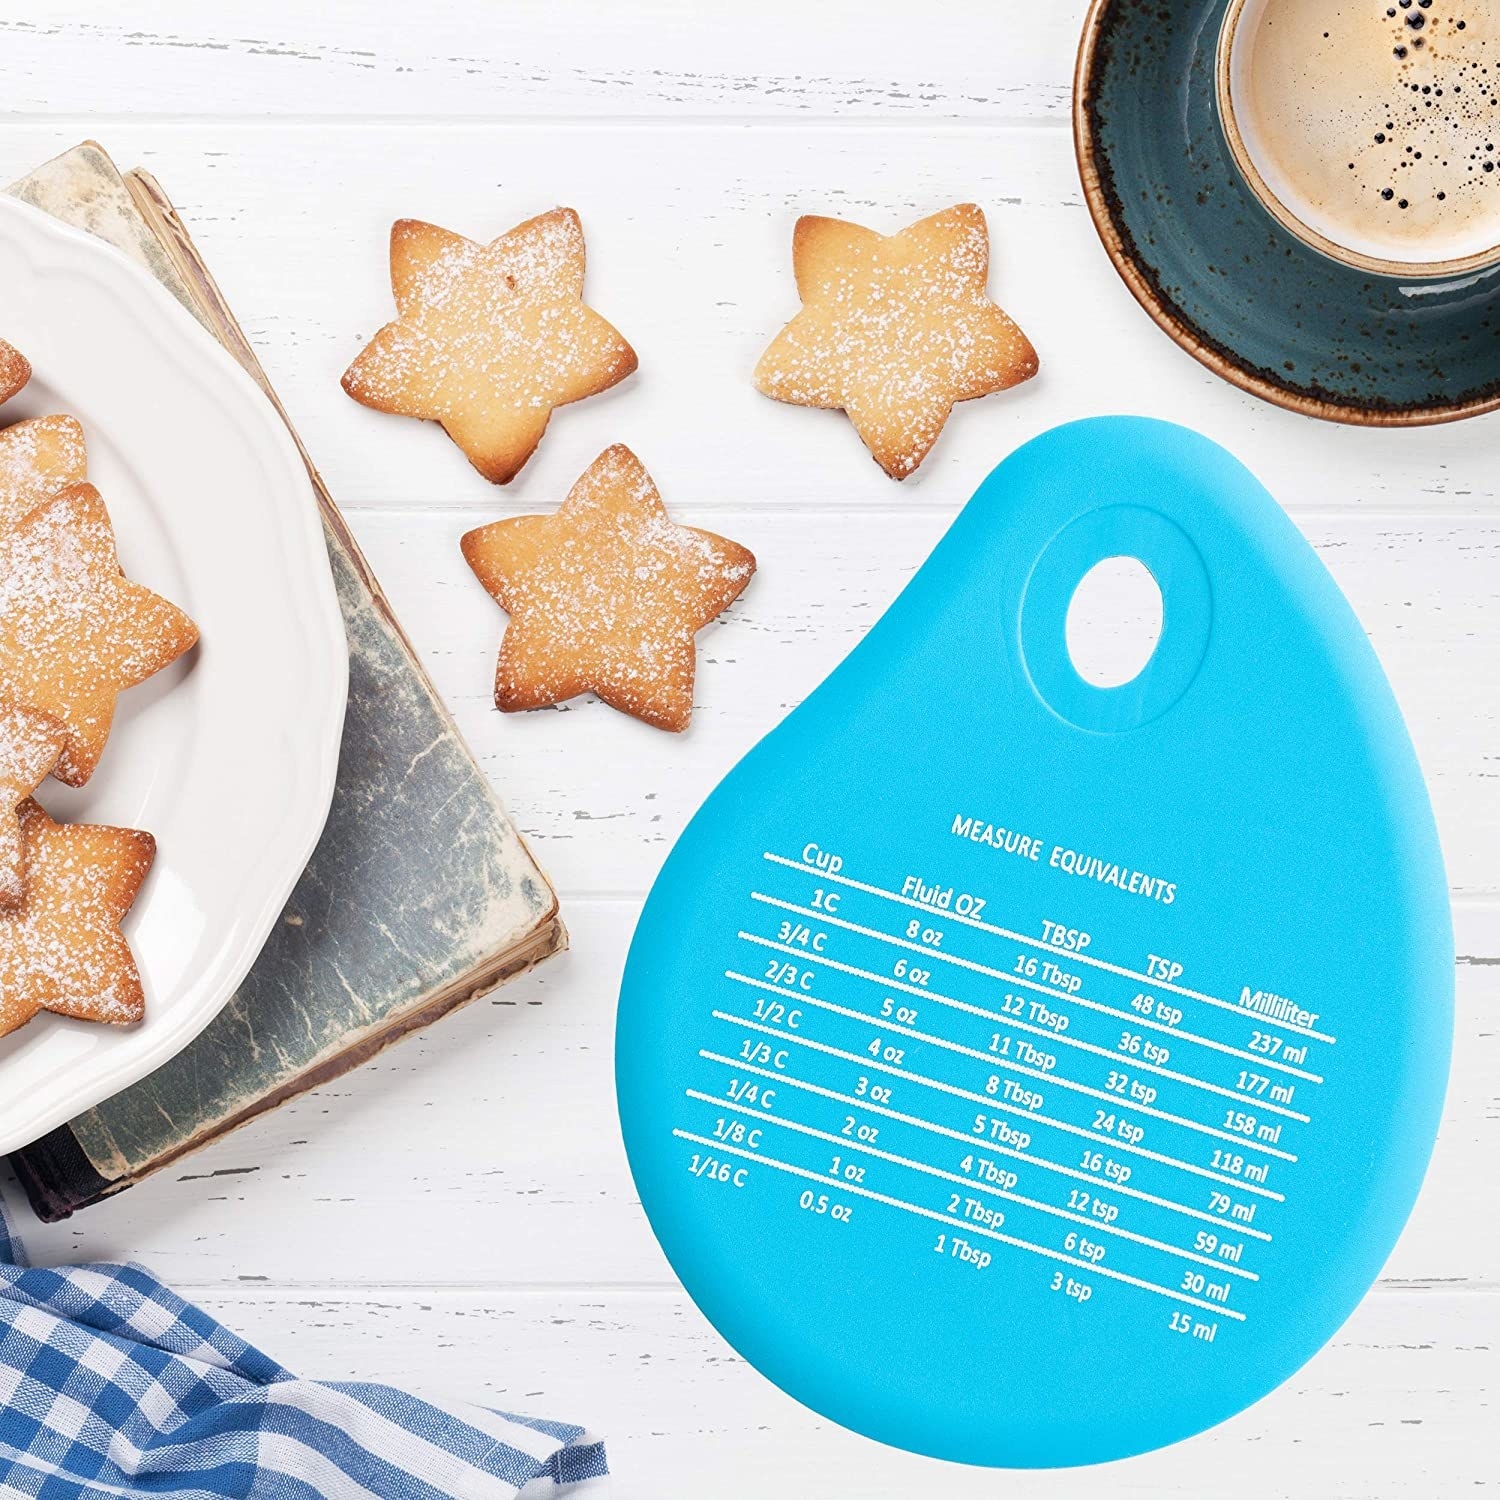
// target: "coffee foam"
[[1376, 122]]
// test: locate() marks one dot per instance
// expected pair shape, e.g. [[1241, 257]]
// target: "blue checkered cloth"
[[112, 1386]]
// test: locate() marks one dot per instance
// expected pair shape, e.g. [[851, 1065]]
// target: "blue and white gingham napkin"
[[112, 1386]]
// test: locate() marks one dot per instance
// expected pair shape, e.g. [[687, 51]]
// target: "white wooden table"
[[458, 1215]]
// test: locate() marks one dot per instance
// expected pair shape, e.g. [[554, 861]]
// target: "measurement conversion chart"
[[889, 1052], [1030, 1077]]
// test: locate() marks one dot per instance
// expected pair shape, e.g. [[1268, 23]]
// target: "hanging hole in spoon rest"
[[1114, 622], [1135, 549]]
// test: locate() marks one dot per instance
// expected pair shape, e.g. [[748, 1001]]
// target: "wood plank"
[[1397, 1405], [778, 59], [740, 463], [293, 219], [602, 798], [486, 1151]]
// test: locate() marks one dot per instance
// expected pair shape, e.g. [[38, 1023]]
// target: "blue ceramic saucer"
[[1224, 277]]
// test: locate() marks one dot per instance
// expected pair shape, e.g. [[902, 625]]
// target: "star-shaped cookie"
[[15, 370], [895, 329], [74, 631], [61, 949], [605, 596], [488, 339], [29, 746], [37, 459]]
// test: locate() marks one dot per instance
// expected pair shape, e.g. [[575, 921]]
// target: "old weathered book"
[[356, 961]]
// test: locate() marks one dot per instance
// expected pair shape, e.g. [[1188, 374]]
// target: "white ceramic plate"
[[229, 757]]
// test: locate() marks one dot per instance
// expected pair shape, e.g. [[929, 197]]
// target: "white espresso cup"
[[1370, 128]]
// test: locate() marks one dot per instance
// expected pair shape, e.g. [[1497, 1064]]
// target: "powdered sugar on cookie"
[[895, 329], [61, 949], [606, 595], [30, 744], [38, 459], [489, 339], [74, 631]]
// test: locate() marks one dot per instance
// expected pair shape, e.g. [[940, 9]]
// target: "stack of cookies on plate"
[[74, 633]]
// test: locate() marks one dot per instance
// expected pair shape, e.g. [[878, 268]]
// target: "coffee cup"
[[1370, 128]]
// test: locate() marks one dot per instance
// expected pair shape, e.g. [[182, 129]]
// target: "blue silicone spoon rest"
[[1029, 1073]]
